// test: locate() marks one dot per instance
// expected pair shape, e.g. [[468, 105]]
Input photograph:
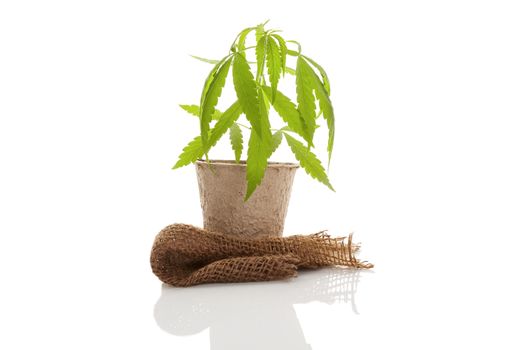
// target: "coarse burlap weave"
[[185, 255]]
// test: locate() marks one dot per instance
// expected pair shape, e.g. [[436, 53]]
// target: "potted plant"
[[251, 196]]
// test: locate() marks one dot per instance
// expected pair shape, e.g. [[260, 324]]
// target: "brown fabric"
[[184, 255]]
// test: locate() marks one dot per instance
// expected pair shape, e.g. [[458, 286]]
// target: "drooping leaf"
[[205, 59], [260, 54], [259, 150], [259, 32], [305, 98], [277, 137], [190, 153], [311, 164], [287, 111], [325, 106], [290, 70], [226, 120], [241, 43], [274, 62], [212, 98], [283, 50], [246, 90], [236, 141], [326, 82], [293, 52], [196, 110]]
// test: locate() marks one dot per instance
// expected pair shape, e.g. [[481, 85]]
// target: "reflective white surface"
[[428, 166]]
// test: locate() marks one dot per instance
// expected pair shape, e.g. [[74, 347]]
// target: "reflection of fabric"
[[184, 255], [252, 315]]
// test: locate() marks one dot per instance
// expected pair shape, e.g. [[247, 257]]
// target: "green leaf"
[[246, 90], [223, 124], [325, 105], [241, 44], [259, 150], [205, 59], [287, 111], [195, 149], [273, 58], [290, 70], [259, 32], [260, 54], [305, 98], [236, 141], [283, 50], [311, 164], [196, 111], [292, 52], [326, 82], [211, 98], [190, 153], [192, 109], [277, 137]]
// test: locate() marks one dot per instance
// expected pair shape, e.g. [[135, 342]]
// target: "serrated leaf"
[[223, 124], [259, 32], [305, 98], [246, 90], [242, 40], [207, 60], [195, 149], [190, 153], [273, 59], [287, 111], [283, 50], [236, 141], [259, 150], [196, 110], [326, 82], [277, 137], [212, 98], [325, 106], [260, 54], [311, 164]]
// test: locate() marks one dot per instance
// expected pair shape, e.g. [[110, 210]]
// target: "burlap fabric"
[[184, 255]]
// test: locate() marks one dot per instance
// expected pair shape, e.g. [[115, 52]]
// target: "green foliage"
[[257, 90], [236, 141]]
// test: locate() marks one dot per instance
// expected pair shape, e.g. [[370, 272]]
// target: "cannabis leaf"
[[287, 111], [305, 98], [195, 149], [274, 62], [259, 150], [260, 54], [277, 137], [242, 39], [212, 94], [283, 50], [325, 105], [190, 153], [205, 59], [236, 141], [308, 160], [196, 111], [246, 90], [326, 82]]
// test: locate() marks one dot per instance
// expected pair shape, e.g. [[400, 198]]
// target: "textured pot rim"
[[242, 163]]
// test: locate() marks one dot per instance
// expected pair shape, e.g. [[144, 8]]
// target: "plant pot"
[[222, 187]]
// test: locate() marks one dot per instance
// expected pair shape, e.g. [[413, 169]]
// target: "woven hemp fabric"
[[185, 255]]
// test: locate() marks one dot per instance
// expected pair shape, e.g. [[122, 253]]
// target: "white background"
[[428, 167]]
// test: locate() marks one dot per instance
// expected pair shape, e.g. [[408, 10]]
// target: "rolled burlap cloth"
[[185, 255]]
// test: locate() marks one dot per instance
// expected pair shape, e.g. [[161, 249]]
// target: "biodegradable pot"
[[222, 187]]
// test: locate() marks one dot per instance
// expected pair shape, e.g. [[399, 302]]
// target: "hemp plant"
[[256, 81]]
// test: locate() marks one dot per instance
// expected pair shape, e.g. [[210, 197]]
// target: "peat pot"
[[222, 186]]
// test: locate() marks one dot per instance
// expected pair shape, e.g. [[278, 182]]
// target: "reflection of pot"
[[222, 186], [252, 315]]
